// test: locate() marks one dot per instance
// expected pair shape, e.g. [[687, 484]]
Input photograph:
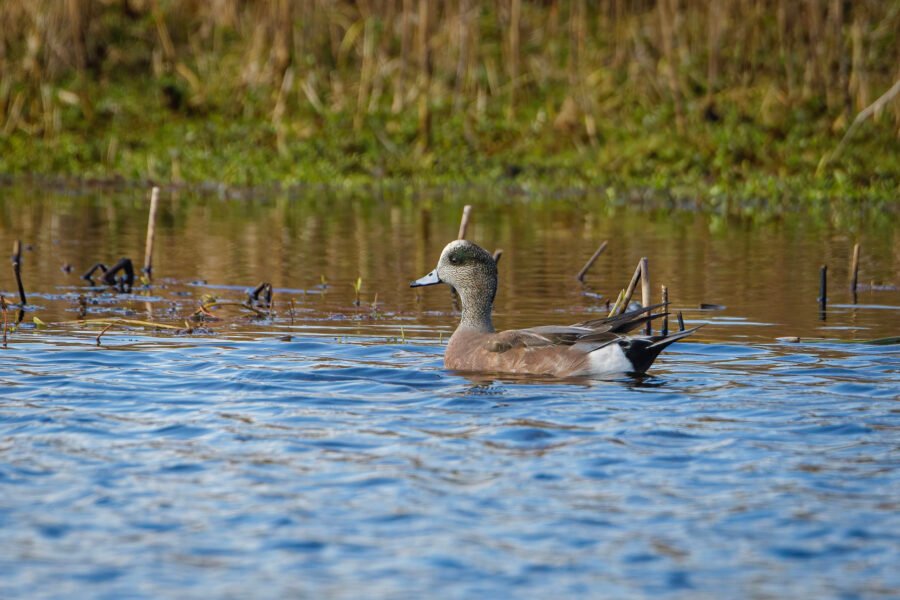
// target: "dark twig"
[[89, 275], [590, 262], [124, 283], [17, 269], [265, 290], [665, 310], [5, 318], [680, 322], [823, 290]]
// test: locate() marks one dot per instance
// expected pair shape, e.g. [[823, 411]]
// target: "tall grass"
[[574, 63]]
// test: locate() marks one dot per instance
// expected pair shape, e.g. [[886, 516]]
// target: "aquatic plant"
[[357, 286]]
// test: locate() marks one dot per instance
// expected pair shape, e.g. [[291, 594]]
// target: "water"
[[324, 452]]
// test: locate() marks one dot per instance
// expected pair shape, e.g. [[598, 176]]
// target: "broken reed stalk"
[[665, 302], [854, 271], [590, 262], [645, 289], [823, 287], [104, 330], [464, 223], [680, 321], [291, 313], [629, 292], [120, 321], [17, 270], [256, 311], [497, 254], [151, 233]]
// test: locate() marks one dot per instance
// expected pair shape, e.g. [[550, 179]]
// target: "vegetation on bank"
[[734, 97]]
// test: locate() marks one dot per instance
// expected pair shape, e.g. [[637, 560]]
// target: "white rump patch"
[[608, 360]]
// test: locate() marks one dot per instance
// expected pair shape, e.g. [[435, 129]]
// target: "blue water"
[[237, 466]]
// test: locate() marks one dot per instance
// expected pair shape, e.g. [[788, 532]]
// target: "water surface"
[[322, 451]]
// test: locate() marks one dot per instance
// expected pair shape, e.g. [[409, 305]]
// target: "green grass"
[[132, 133]]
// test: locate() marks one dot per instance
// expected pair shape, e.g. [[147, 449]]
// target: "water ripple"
[[211, 467]]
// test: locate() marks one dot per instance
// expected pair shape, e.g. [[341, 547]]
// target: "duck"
[[597, 348]]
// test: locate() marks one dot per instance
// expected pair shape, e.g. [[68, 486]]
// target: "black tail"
[[642, 351], [624, 322]]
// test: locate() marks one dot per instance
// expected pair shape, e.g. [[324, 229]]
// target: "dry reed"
[[151, 233], [331, 56]]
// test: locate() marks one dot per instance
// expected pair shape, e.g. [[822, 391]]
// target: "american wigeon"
[[588, 349]]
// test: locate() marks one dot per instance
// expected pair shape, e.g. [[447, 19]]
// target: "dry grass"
[[581, 61]]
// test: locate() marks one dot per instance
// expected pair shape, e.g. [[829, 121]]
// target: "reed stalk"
[[645, 290], [616, 307], [587, 266], [424, 86], [665, 307], [629, 291], [151, 233], [464, 222], [515, 17]]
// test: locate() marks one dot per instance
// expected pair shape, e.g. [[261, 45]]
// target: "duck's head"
[[469, 268]]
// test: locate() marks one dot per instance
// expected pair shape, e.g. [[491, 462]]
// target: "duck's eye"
[[454, 259]]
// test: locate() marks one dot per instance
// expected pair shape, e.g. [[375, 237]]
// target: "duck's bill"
[[430, 279]]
